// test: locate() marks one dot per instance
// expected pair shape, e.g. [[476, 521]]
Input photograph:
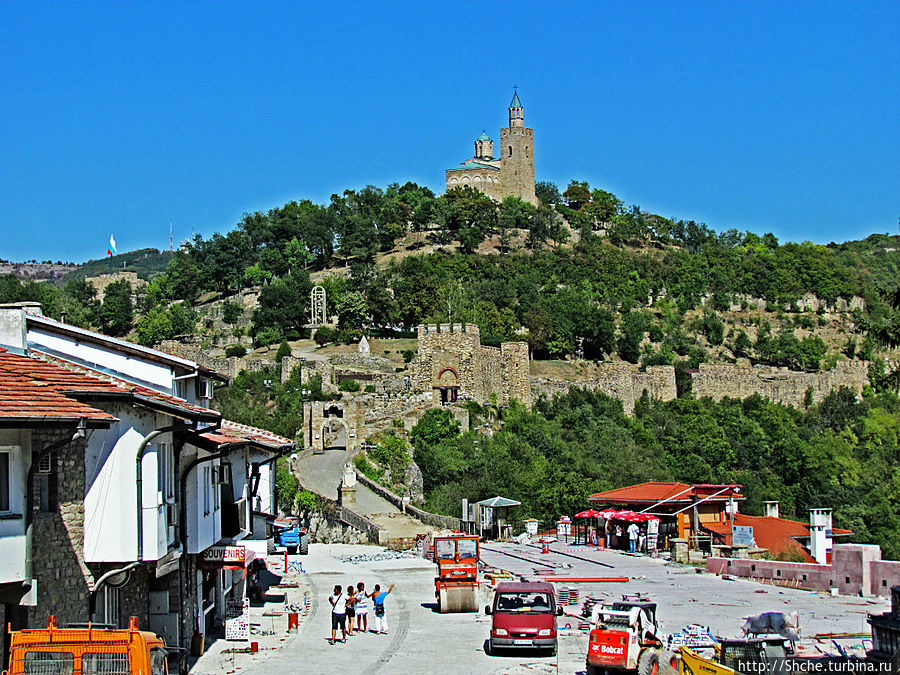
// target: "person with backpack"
[[378, 597], [338, 614]]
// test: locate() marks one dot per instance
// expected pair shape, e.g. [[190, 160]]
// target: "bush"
[[349, 385], [235, 350], [231, 312], [324, 335], [367, 469], [268, 336], [408, 355], [306, 500], [370, 389], [284, 349]]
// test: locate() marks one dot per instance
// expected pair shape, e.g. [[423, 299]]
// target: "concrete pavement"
[[423, 641]]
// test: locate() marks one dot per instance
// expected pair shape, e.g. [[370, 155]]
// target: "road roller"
[[456, 585]]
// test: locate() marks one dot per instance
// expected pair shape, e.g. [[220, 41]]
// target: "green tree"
[[352, 310], [116, 312], [547, 192]]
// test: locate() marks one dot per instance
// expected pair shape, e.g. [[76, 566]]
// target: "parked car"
[[523, 616]]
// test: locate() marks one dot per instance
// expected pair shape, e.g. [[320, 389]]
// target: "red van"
[[523, 617]]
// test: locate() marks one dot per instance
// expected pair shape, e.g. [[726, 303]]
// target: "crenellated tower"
[[517, 155]]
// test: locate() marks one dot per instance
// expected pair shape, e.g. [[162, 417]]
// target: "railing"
[[431, 519], [357, 521]]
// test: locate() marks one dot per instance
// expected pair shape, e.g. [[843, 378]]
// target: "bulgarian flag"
[[112, 246]]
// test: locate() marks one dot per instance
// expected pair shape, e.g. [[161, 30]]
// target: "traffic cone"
[[545, 547]]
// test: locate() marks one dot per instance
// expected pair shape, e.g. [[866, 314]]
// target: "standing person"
[[642, 540], [351, 608], [362, 608], [609, 531], [632, 537], [338, 614], [618, 541], [378, 597]]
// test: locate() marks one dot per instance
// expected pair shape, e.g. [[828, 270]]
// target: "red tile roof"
[[33, 390], [232, 432], [83, 382], [778, 535], [653, 492]]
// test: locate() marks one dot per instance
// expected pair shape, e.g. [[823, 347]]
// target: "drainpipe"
[[184, 584], [29, 495], [139, 481]]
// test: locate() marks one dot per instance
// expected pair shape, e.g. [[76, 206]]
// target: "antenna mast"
[[171, 245]]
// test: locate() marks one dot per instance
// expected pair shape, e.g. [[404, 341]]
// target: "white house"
[[159, 490]]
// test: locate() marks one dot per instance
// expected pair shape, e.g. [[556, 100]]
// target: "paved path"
[[323, 473]]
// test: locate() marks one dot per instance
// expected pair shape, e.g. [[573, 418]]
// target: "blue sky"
[[119, 117]]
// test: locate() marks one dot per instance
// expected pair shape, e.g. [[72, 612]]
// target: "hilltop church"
[[511, 174]]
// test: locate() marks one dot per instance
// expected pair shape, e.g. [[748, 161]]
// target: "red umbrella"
[[590, 513], [625, 515], [607, 513]]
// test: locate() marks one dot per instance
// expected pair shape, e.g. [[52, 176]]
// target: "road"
[[422, 641], [323, 473]]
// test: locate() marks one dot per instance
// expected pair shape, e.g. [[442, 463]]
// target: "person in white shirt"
[[338, 614], [633, 530]]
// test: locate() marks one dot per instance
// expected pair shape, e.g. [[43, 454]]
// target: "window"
[[107, 607], [204, 387], [105, 663], [206, 489], [157, 662], [166, 471], [49, 663], [510, 151], [4, 481]]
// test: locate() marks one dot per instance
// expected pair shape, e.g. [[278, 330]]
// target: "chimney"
[[820, 534], [771, 509], [12, 323]]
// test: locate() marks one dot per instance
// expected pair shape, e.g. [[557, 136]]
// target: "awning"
[[498, 501]]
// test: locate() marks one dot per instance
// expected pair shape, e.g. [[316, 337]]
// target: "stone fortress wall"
[[453, 356], [778, 384], [101, 281], [619, 380]]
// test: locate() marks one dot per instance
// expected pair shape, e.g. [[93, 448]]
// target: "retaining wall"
[[430, 519]]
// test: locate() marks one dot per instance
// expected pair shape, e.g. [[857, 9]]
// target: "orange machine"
[[456, 585], [82, 650]]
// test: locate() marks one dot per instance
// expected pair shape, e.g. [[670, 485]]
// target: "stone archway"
[[447, 385], [334, 434]]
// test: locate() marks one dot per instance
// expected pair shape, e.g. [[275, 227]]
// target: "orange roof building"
[[780, 536], [683, 509]]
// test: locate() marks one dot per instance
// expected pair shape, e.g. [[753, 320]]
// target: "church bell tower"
[[517, 155]]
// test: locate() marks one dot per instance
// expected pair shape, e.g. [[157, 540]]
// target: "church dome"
[[483, 137]]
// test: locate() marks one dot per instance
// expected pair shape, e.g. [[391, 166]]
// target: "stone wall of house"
[[778, 384], [64, 580], [620, 380]]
